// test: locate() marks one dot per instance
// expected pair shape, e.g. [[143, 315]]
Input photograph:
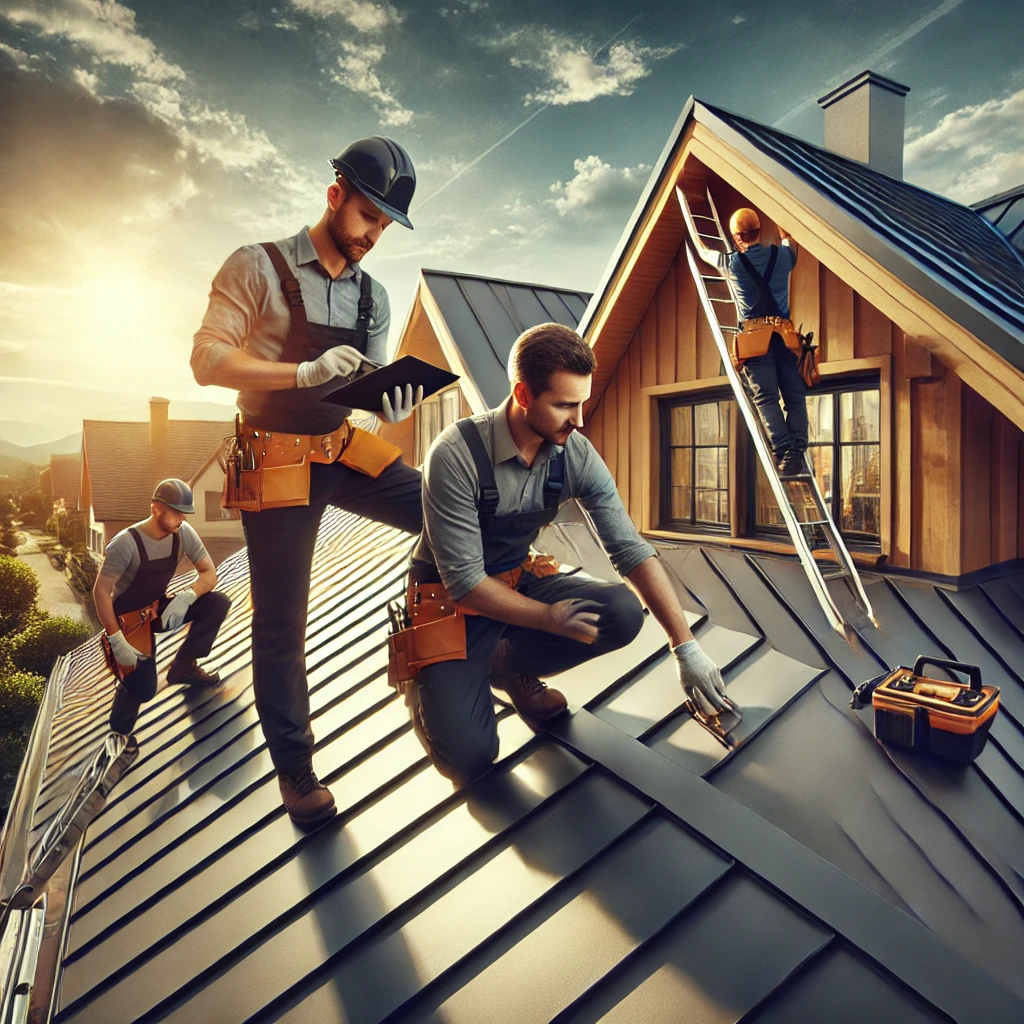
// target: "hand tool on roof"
[[803, 509]]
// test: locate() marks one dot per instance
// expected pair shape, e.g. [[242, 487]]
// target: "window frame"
[[435, 401]]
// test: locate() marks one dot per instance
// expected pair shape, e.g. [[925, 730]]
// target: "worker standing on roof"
[[287, 322], [768, 346], [491, 482], [130, 594]]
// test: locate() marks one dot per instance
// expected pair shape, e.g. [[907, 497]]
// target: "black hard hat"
[[176, 494], [383, 172]]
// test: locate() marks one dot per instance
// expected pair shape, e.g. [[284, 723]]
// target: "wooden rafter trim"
[[974, 362]]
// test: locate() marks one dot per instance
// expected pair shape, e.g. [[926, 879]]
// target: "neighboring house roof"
[[946, 253], [124, 468], [623, 866], [66, 478], [1006, 212], [481, 317]]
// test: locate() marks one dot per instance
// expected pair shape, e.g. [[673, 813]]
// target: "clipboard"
[[366, 390]]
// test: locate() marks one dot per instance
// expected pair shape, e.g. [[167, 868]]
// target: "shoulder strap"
[[555, 481], [365, 303], [766, 304], [487, 497], [143, 556], [175, 546], [296, 341]]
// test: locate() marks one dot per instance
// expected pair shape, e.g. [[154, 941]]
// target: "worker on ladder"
[[767, 346]]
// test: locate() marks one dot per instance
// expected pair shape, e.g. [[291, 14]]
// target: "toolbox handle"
[[955, 666]]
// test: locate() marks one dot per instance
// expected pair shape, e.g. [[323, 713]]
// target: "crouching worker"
[[132, 605], [490, 483]]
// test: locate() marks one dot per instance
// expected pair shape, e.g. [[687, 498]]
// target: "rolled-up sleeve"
[[597, 493], [236, 301], [450, 516]]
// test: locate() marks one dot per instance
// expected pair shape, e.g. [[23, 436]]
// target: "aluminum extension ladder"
[[803, 509]]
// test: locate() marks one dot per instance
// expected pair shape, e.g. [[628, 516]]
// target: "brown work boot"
[[308, 802], [189, 673], [532, 698]]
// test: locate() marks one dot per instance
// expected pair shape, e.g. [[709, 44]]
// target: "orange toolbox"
[[950, 720]]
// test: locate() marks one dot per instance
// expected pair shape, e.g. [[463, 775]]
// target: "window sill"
[[869, 559]]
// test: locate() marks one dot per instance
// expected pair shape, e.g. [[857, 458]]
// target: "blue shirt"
[[743, 286]]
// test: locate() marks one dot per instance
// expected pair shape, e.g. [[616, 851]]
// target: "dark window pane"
[[768, 513], [859, 416], [708, 506], [681, 433], [707, 468], [819, 416], [712, 423], [681, 483], [821, 461], [861, 491]]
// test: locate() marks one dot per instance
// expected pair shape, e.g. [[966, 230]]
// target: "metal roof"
[[485, 315], [623, 867], [1006, 212]]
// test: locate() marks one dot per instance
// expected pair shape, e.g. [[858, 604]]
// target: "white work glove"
[[174, 614], [700, 679], [576, 618], [340, 361], [124, 654], [403, 405]]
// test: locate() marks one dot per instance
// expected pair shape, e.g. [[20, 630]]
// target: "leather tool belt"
[[755, 336], [137, 627], [949, 720], [270, 469], [431, 627]]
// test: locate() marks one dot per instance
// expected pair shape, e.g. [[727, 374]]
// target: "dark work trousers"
[[205, 615], [281, 543], [768, 376], [457, 723]]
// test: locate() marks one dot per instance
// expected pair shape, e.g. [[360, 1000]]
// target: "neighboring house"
[[622, 865], [467, 324], [123, 462], [1006, 212], [66, 479]]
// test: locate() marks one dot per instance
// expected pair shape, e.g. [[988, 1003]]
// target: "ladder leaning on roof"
[[803, 509]]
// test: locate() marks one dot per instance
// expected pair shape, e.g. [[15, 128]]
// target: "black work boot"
[[532, 698], [793, 463], [189, 673], [308, 802]]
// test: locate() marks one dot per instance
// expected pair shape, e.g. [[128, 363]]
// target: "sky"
[[142, 142]]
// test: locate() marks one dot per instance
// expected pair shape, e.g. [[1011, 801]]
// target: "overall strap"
[[555, 481], [143, 556], [487, 499], [365, 304], [766, 304], [297, 339]]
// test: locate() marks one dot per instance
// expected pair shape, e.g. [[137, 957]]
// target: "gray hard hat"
[[382, 170], [176, 494]]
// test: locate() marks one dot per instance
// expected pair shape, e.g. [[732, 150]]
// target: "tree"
[[20, 694], [40, 644], [18, 588], [35, 507]]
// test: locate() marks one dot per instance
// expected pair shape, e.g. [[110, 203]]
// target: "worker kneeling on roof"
[[490, 483], [130, 597]]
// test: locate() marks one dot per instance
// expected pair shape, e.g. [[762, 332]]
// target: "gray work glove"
[[576, 618], [340, 361], [700, 679], [174, 614], [402, 406], [124, 653]]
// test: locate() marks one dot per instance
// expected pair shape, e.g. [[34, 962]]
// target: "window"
[[214, 510], [695, 463], [432, 416], [844, 447]]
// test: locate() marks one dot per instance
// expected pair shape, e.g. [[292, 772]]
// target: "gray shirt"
[[121, 561], [743, 286], [247, 308], [451, 527]]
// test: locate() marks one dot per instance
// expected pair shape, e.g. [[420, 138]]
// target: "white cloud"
[[363, 15], [88, 80], [574, 71], [357, 70], [464, 7], [738, 19], [103, 27], [598, 190], [972, 153], [21, 59]]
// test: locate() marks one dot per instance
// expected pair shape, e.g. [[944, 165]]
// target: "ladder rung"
[[711, 298], [714, 278], [714, 238], [703, 216]]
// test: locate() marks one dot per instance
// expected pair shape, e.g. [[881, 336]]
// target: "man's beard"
[[352, 247], [550, 436]]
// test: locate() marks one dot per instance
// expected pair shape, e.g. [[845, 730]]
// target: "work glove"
[[174, 614], [403, 405], [124, 653], [700, 679], [576, 618], [340, 361]]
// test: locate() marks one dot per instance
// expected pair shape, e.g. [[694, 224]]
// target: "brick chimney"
[[864, 120], [158, 423]]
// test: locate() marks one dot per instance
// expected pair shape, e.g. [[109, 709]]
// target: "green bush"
[[20, 694], [12, 753], [44, 640], [18, 588]]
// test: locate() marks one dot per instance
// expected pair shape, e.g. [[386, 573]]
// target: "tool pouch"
[[137, 627], [431, 629], [949, 720], [243, 479], [749, 344], [807, 354], [367, 453]]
